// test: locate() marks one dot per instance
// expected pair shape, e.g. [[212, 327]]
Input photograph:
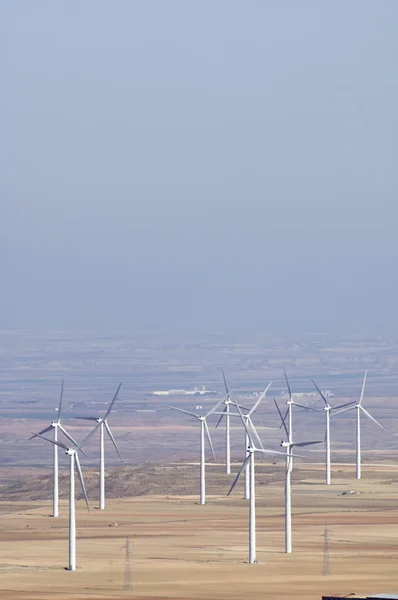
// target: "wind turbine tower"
[[288, 416], [249, 460], [248, 418], [55, 426], [227, 414], [227, 411], [204, 429], [328, 410], [289, 445], [359, 408], [104, 427], [74, 463]]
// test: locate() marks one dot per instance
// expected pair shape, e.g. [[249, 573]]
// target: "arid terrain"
[[182, 550], [179, 549]]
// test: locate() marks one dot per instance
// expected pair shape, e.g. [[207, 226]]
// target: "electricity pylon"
[[326, 561], [127, 581]]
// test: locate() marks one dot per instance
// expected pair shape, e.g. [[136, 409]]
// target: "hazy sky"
[[217, 164]]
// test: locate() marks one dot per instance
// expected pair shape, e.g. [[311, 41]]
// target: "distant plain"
[[93, 364]]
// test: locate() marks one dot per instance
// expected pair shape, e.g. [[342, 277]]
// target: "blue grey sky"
[[213, 165]]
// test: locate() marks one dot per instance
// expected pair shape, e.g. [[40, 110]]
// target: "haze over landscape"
[[188, 187]]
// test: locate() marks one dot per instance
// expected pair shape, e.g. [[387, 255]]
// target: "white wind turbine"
[[249, 460], [74, 461], [289, 413], [247, 416], [203, 429], [358, 407], [227, 414], [55, 426], [289, 445], [104, 426], [328, 410]]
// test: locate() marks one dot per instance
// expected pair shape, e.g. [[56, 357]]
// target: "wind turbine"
[[289, 445], [227, 403], [328, 410], [289, 413], [103, 426], [74, 462], [203, 429], [358, 407], [247, 416], [249, 460], [227, 414], [55, 426]]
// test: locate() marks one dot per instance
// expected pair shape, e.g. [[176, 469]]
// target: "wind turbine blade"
[[261, 397], [220, 419], [264, 451], [306, 407], [373, 419], [112, 403], [86, 418], [282, 419], [225, 381], [79, 472], [320, 393], [251, 426], [234, 403], [187, 412], [351, 403], [41, 432], [209, 439], [213, 410], [60, 402], [245, 425], [112, 439], [70, 438], [243, 407], [68, 435], [60, 444], [89, 436], [288, 385], [333, 413], [243, 467], [363, 387], [103, 419], [306, 443]]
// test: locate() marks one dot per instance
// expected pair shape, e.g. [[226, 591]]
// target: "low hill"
[[150, 478]]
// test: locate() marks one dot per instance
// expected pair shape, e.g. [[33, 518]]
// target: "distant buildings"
[[326, 393], [195, 392]]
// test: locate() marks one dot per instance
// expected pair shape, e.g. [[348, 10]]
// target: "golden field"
[[181, 550]]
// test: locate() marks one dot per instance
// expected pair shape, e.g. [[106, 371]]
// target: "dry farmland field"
[[182, 550]]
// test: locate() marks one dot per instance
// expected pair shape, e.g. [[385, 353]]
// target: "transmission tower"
[[326, 561], [127, 581]]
